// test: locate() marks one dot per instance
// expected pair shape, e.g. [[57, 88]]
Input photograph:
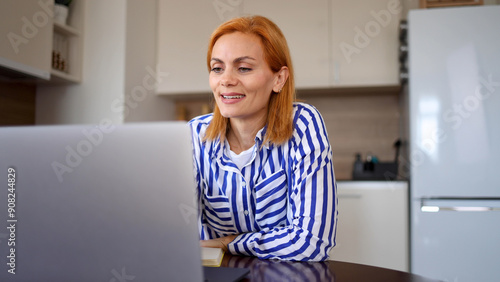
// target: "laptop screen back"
[[98, 203]]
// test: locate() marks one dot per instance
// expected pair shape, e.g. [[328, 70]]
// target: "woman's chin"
[[226, 113]]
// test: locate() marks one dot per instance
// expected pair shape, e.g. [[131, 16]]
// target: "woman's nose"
[[228, 78]]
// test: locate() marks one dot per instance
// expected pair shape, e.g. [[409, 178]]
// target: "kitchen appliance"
[[373, 169], [454, 142]]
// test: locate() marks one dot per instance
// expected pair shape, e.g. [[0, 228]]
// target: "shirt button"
[[244, 185], [246, 212]]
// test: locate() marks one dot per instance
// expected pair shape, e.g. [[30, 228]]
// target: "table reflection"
[[275, 270]]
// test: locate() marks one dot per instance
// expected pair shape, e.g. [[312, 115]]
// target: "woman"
[[263, 164]]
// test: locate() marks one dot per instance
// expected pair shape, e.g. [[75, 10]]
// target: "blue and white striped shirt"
[[282, 203]]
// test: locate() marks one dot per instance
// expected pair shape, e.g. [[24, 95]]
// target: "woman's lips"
[[231, 98]]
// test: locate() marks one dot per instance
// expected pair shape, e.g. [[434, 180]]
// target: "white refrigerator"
[[454, 142]]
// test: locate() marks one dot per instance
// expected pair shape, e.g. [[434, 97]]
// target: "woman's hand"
[[221, 242]]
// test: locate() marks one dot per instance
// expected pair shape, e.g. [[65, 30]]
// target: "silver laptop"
[[98, 203]]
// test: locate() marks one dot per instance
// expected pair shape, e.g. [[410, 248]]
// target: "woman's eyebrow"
[[237, 60], [217, 60]]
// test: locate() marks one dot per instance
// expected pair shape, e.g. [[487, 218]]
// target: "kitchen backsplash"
[[359, 124]]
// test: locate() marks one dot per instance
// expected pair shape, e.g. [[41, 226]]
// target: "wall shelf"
[[67, 47], [66, 29]]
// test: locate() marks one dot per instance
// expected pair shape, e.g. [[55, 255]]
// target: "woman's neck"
[[241, 134]]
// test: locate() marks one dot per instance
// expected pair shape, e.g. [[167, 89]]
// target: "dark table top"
[[272, 270]]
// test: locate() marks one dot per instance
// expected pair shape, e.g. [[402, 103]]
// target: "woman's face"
[[240, 78]]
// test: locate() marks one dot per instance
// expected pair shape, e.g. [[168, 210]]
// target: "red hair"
[[279, 119]]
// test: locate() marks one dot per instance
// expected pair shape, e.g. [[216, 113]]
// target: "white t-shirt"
[[242, 159]]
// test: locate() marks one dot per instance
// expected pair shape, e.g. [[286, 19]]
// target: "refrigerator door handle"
[[459, 204], [424, 207]]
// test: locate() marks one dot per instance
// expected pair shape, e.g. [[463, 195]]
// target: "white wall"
[[119, 48], [141, 103]]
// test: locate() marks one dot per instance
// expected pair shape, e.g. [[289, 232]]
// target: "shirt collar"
[[259, 139]]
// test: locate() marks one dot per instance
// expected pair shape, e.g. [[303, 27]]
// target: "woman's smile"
[[232, 97]]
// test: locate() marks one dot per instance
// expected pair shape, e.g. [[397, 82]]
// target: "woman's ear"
[[281, 78]]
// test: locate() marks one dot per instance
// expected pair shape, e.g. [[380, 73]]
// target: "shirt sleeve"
[[312, 201], [197, 130]]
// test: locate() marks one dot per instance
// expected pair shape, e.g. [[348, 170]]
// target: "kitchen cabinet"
[[306, 28], [364, 42], [182, 51], [372, 225], [333, 43], [183, 33], [33, 45], [26, 38]]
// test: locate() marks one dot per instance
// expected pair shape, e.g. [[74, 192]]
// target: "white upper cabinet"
[[333, 43], [183, 33], [26, 38], [364, 42], [305, 26]]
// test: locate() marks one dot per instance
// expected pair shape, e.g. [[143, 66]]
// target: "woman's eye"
[[243, 69], [217, 69]]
